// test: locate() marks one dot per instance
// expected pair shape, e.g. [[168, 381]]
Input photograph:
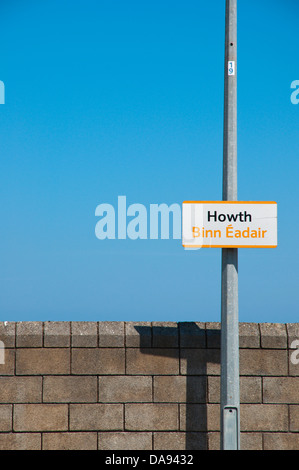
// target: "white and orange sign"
[[229, 224]]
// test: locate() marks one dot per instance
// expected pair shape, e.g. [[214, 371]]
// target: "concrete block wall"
[[142, 386]]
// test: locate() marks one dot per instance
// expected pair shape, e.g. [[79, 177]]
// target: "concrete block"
[[281, 390], [20, 389], [57, 334], [29, 334], [8, 334], [44, 361], [20, 441], [264, 417], [5, 418], [70, 441], [125, 389], [152, 361], [251, 441], [213, 334], [294, 361], [96, 417], [98, 361], [84, 334], [151, 417], [293, 334], [250, 389], [192, 334], [40, 417], [281, 441], [294, 418], [165, 334], [180, 389], [125, 441], [111, 334], [200, 361], [180, 441], [8, 368], [199, 417], [263, 362], [169, 441], [273, 335], [249, 335], [138, 334], [213, 440], [70, 389]]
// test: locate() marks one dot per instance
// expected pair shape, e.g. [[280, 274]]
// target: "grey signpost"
[[230, 394]]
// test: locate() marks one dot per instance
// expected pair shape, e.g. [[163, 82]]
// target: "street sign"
[[229, 224]]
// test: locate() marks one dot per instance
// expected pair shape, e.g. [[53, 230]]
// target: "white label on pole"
[[226, 224], [231, 67]]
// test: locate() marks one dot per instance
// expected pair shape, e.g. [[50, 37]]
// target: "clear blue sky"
[[108, 98]]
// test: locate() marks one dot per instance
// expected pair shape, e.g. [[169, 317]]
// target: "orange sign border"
[[229, 202]]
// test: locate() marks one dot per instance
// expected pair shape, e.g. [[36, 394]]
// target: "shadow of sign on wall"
[[198, 351]]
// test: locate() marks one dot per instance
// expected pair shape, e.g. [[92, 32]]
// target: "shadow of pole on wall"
[[198, 351]]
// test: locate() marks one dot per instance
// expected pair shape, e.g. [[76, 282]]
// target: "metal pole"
[[230, 394]]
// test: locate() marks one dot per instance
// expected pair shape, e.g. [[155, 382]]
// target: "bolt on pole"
[[230, 390]]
